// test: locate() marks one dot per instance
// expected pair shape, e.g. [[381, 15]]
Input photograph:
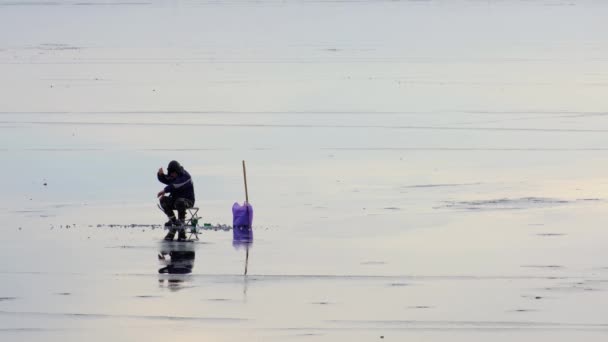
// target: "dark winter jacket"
[[179, 187]]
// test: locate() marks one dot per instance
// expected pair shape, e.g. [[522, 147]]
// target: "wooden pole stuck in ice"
[[245, 179]]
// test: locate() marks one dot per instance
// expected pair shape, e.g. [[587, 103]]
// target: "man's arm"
[[161, 176], [178, 182]]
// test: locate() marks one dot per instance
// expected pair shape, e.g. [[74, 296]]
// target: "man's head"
[[174, 169]]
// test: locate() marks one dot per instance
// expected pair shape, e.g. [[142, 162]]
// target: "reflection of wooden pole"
[[245, 178], [246, 201], [246, 259]]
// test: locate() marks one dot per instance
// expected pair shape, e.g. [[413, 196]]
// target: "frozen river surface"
[[420, 170]]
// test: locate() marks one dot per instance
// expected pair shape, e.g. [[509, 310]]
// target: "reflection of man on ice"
[[181, 190], [177, 262]]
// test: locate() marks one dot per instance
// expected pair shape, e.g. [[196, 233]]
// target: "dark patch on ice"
[[308, 334], [523, 310], [551, 234], [438, 185], [29, 3], [63, 205], [57, 47], [125, 3], [26, 329], [320, 303], [219, 299], [533, 297], [3, 299], [580, 285], [345, 126], [383, 279], [559, 4], [435, 325], [147, 296], [596, 281], [373, 263], [111, 316], [63, 294], [448, 149], [420, 307], [132, 225], [398, 284], [185, 149], [215, 227], [74, 79], [51, 149], [543, 266], [130, 247], [506, 203], [572, 288], [391, 208]]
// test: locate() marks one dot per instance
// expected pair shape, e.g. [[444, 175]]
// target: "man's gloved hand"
[[160, 194], [160, 171]]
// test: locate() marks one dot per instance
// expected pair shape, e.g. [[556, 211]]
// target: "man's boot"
[[170, 235], [182, 235]]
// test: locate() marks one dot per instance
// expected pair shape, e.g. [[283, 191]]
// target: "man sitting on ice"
[[181, 190]]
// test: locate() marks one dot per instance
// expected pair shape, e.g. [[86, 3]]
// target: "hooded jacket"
[[179, 187]]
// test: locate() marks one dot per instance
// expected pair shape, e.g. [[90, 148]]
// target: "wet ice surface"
[[419, 170]]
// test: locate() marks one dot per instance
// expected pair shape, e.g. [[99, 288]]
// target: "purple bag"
[[242, 215], [242, 219]]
